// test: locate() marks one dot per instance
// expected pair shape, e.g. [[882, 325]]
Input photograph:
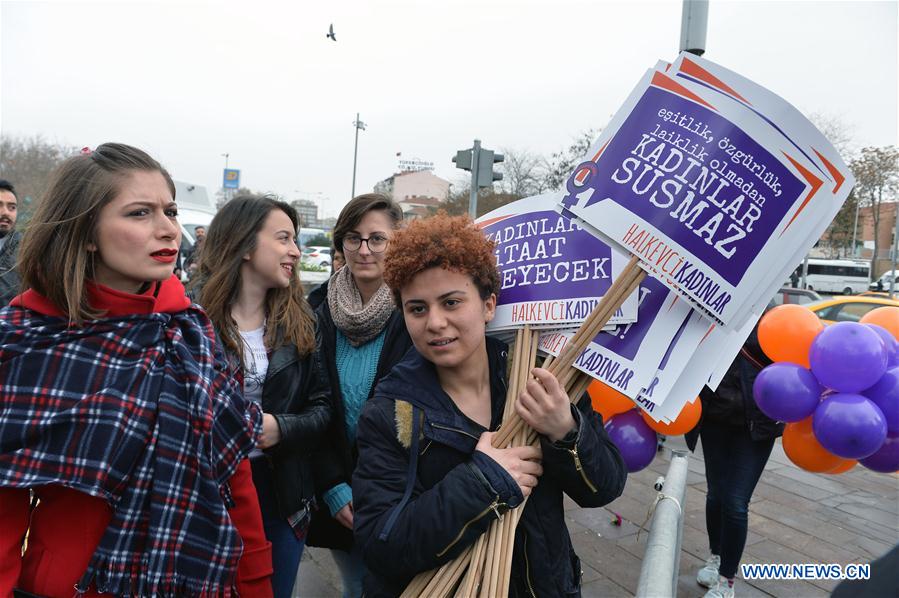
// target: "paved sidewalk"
[[795, 517]]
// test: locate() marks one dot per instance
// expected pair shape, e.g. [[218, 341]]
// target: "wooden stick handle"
[[472, 579]]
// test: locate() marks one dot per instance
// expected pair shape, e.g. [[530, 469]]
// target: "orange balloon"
[[787, 331], [607, 401], [806, 452], [844, 467], [888, 317], [685, 421]]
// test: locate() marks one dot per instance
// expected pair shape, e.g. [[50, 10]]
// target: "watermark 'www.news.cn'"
[[805, 571]]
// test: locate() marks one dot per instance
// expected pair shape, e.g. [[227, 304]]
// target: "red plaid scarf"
[[139, 410]]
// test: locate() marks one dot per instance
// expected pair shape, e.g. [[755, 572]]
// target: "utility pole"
[[359, 125], [473, 196], [895, 247], [855, 229], [693, 26], [480, 162], [226, 193]]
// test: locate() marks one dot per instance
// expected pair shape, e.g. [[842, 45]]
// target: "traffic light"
[[462, 159], [486, 160], [480, 163]]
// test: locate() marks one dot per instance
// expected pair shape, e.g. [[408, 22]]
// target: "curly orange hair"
[[449, 242]]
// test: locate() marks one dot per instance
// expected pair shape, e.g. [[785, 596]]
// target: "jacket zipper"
[[494, 506], [580, 468], [439, 427], [527, 568]]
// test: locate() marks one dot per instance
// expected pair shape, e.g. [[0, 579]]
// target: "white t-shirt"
[[255, 368]]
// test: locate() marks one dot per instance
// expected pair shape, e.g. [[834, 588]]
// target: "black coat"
[[334, 462], [732, 403], [423, 494], [318, 295], [9, 276], [296, 392]]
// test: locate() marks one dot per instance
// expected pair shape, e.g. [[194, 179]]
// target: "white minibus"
[[838, 276]]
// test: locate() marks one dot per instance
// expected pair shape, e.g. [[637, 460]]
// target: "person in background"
[[9, 243], [192, 255], [737, 439], [117, 409], [362, 336], [338, 261], [429, 482], [249, 285]]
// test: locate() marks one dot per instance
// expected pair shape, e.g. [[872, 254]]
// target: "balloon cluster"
[[837, 387], [631, 430]]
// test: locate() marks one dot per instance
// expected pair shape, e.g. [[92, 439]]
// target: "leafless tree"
[[559, 165], [843, 230], [839, 132], [524, 173], [876, 171], [27, 162], [457, 201]]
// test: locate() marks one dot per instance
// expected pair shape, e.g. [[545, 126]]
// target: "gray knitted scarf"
[[359, 324]]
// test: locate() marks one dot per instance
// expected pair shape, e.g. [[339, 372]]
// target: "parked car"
[[797, 296], [848, 309], [317, 256], [883, 283]]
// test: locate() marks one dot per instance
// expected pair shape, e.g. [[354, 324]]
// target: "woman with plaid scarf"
[[123, 435]]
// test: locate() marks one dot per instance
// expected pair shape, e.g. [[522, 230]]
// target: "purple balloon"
[[889, 342], [886, 459], [636, 441], [848, 357], [885, 395], [849, 426], [786, 392]]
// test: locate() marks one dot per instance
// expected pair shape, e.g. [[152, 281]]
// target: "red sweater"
[[65, 528]]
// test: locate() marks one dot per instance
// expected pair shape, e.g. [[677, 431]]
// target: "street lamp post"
[[693, 26], [358, 124], [226, 193]]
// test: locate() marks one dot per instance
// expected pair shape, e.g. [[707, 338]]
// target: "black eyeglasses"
[[376, 243]]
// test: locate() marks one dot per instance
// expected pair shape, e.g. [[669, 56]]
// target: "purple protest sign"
[[704, 194], [551, 271], [721, 194], [628, 357]]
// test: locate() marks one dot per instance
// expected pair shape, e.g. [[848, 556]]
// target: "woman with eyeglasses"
[[363, 336]]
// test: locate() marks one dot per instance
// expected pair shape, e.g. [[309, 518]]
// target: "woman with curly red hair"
[[428, 481]]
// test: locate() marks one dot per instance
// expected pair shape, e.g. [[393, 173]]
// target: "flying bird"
[[331, 33]]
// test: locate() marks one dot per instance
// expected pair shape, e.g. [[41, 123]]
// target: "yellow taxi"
[[848, 308]]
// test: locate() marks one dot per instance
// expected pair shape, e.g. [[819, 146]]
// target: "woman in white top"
[[248, 283]]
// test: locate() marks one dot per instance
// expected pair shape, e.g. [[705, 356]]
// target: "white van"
[[190, 220], [883, 283], [195, 208], [838, 276]]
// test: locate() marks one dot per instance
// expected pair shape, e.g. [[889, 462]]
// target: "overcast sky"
[[189, 81]]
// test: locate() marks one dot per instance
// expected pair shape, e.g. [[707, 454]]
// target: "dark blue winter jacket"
[[422, 494]]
